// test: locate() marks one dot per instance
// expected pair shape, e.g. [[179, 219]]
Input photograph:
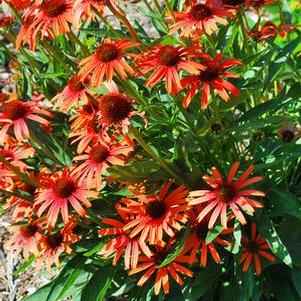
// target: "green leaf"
[[41, 294], [171, 256], [203, 281], [97, 287], [134, 172], [283, 202], [296, 277], [25, 265], [94, 250], [268, 231], [213, 233]]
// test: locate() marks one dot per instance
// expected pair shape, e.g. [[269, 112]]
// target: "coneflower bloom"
[[268, 30], [84, 10], [227, 194], [157, 214], [97, 158], [253, 249], [166, 62], [151, 266], [6, 21], [71, 96], [14, 155], [196, 242], [92, 130], [107, 59], [212, 78], [51, 18], [55, 244], [19, 4], [116, 109], [26, 238], [199, 18], [122, 243], [16, 113], [63, 189], [25, 34]]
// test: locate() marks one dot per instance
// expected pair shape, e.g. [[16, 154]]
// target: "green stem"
[[148, 6], [149, 150], [52, 51], [16, 194], [76, 40], [170, 10], [243, 29], [17, 172], [157, 5]]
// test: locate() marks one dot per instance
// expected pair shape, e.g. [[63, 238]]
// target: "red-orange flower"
[[15, 114], [51, 18], [98, 157], [122, 243], [19, 4], [54, 244], [74, 92], [107, 59], [213, 77], [196, 242], [85, 10], [6, 21], [167, 61], [26, 238], [157, 214], [226, 194], [152, 266], [252, 249], [199, 18], [115, 110], [58, 192]]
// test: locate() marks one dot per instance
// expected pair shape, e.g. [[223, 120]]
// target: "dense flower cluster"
[[75, 164]]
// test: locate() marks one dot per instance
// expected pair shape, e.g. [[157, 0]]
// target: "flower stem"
[[170, 10], [157, 5], [243, 29], [17, 172], [149, 150], [52, 51], [123, 19], [76, 40]]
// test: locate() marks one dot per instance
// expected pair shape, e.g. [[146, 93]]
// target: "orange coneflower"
[[85, 10], [116, 109], [198, 18], [252, 249], [157, 214], [50, 19], [15, 113], [91, 129], [167, 61], [151, 266], [107, 59], [14, 155], [268, 30], [26, 238], [196, 241], [123, 243], [25, 33], [54, 244], [98, 157], [213, 77], [63, 189], [226, 194], [74, 92], [6, 21], [19, 4]]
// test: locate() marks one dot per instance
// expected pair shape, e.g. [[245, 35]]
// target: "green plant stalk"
[[170, 10], [157, 5], [52, 51], [148, 6], [243, 29], [123, 19], [15, 194], [17, 172], [148, 149], [76, 40]]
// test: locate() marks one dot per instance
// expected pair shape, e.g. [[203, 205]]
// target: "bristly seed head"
[[64, 187], [169, 56], [200, 12], [155, 209], [107, 52], [99, 153], [15, 110]]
